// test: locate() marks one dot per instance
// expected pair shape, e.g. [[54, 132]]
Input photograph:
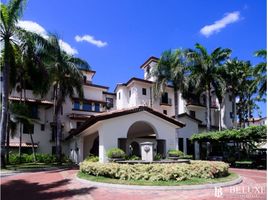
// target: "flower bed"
[[157, 172]]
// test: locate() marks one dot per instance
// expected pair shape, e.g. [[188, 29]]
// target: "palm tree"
[[11, 36], [171, 68], [260, 73], [66, 80], [204, 71], [20, 113], [236, 74], [220, 91], [10, 14]]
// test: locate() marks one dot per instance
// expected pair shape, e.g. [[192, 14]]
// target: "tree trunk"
[[176, 106], [58, 137], [8, 140], [31, 136], [5, 93], [208, 109], [20, 126], [234, 111], [220, 117], [59, 102]]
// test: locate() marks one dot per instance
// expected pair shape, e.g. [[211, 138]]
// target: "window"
[[53, 134], [109, 102], [42, 127], [148, 70], [144, 91], [34, 111], [119, 95], [97, 107], [164, 98], [181, 144], [85, 79], [87, 107], [231, 115], [53, 150], [76, 105], [165, 112], [190, 147], [192, 113], [28, 128], [129, 93]]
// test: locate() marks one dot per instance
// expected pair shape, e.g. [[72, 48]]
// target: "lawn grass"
[[194, 181]]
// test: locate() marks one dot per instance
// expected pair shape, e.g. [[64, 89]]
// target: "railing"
[[165, 101]]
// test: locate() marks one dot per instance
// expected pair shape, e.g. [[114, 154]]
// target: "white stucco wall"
[[112, 129]]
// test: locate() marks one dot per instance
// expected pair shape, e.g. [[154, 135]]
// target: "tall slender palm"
[[233, 73], [66, 80], [10, 13], [260, 72], [31, 71], [171, 68], [204, 71]]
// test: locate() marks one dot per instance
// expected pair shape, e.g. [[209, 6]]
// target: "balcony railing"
[[194, 102], [165, 101]]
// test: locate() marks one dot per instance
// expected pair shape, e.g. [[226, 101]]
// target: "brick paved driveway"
[[61, 184]]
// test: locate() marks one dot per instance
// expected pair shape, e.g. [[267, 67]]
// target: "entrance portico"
[[126, 129]]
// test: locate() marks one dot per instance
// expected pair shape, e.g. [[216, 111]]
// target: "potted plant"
[[116, 154], [174, 154]]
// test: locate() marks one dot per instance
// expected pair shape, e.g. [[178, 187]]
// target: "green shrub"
[[92, 158], [26, 158], [158, 156], [115, 153], [133, 157], [175, 152], [157, 172], [186, 157]]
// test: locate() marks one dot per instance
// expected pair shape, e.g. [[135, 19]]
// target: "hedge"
[[156, 172], [252, 133]]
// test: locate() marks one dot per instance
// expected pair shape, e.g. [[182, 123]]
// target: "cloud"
[[229, 18], [36, 28], [67, 48], [90, 39], [33, 27]]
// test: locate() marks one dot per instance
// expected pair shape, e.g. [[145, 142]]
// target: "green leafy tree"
[[10, 13], [11, 37], [204, 73], [66, 80], [260, 72], [171, 68]]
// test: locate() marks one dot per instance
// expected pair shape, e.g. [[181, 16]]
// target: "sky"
[[116, 37]]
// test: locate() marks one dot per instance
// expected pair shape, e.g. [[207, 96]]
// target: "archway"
[[91, 145], [135, 149], [138, 132]]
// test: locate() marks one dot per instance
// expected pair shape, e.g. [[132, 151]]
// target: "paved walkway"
[[61, 184]]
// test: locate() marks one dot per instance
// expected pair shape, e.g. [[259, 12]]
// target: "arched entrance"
[[138, 132], [91, 145]]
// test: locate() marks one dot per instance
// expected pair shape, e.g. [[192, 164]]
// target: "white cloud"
[[67, 48], [90, 39], [33, 27], [36, 28], [229, 18]]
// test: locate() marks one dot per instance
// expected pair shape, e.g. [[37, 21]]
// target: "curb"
[[183, 187], [16, 172]]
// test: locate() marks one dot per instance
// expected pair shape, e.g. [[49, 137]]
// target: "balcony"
[[165, 102], [196, 103]]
